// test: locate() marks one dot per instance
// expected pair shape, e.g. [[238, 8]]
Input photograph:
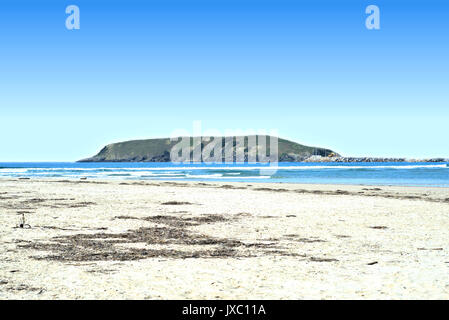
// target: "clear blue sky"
[[140, 69]]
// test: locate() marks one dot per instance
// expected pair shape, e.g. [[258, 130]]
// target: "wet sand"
[[209, 240]]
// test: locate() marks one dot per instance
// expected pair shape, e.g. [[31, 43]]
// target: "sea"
[[396, 174]]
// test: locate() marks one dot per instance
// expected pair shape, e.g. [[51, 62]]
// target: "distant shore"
[[214, 240], [286, 158], [372, 159]]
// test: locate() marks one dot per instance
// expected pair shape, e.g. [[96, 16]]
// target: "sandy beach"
[[86, 239]]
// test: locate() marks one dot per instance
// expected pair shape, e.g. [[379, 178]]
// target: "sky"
[[310, 70]]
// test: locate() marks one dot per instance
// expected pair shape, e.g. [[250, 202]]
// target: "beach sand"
[[210, 240]]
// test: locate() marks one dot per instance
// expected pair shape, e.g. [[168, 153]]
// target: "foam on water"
[[175, 168], [435, 174]]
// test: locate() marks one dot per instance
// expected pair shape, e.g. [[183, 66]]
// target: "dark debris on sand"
[[180, 222], [175, 203], [378, 227], [105, 246]]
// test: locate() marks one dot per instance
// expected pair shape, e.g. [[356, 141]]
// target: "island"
[[158, 150]]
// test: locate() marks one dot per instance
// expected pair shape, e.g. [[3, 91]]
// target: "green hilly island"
[[158, 150]]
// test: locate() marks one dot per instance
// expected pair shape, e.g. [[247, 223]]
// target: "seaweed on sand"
[[175, 203], [104, 246]]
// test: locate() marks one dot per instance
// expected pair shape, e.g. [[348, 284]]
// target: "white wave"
[[204, 176], [158, 174], [12, 170], [355, 167], [151, 171], [250, 177], [213, 177]]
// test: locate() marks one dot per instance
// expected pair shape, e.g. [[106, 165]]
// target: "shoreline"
[[211, 181], [426, 193], [221, 240]]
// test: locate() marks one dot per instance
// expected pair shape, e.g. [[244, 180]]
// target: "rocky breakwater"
[[370, 159]]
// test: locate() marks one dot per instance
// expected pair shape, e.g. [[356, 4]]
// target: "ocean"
[[401, 174]]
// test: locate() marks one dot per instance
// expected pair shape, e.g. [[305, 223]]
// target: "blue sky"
[[141, 69]]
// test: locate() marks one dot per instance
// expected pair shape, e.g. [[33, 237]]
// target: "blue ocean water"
[[405, 174]]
